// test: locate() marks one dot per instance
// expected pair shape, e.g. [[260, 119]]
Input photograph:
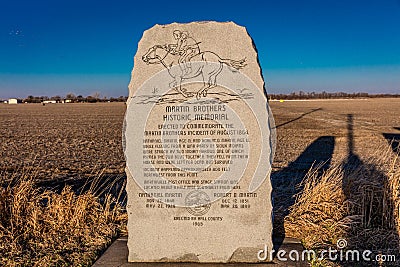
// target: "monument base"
[[117, 255]]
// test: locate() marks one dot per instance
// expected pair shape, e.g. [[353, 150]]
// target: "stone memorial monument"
[[198, 142]]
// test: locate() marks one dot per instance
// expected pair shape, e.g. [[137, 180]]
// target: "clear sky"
[[56, 47]]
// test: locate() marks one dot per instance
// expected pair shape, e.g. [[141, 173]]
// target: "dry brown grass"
[[356, 200], [318, 216], [44, 228]]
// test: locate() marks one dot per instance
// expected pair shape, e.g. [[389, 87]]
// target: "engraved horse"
[[205, 66]]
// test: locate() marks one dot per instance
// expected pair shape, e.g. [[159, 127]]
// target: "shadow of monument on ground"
[[286, 183], [393, 140], [298, 118], [367, 189], [100, 186]]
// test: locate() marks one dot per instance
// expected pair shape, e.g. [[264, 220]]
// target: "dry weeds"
[[45, 228], [356, 200]]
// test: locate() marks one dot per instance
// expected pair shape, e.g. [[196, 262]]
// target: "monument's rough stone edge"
[[198, 22], [237, 255]]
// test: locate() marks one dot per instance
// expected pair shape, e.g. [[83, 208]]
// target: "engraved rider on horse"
[[186, 47], [191, 61]]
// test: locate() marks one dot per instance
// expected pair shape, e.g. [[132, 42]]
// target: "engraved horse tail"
[[236, 64]]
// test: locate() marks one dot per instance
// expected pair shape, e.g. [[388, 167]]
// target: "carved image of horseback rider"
[[184, 61], [187, 47]]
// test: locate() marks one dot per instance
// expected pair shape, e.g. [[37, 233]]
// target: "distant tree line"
[[72, 98], [326, 95], [96, 97]]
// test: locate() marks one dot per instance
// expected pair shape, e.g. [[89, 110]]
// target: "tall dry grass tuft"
[[357, 199], [392, 188], [44, 228], [319, 215]]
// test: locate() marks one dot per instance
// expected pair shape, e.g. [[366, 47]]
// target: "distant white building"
[[49, 102], [12, 101]]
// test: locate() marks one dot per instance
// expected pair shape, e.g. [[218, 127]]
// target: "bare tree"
[[71, 96], [96, 95]]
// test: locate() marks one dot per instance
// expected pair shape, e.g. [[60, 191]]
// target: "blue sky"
[[56, 47]]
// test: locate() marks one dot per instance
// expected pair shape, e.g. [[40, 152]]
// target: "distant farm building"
[[12, 101], [68, 101], [49, 102]]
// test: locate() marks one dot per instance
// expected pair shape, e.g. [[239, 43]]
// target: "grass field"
[[351, 190], [299, 123], [73, 139], [62, 140]]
